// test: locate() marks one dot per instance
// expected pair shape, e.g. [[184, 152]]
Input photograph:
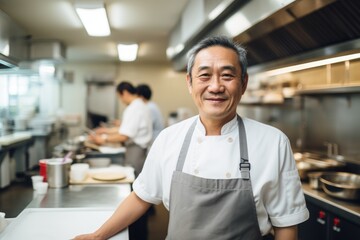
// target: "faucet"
[[332, 149], [329, 147]]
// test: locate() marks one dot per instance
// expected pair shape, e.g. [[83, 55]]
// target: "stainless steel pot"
[[314, 180], [341, 185], [308, 165]]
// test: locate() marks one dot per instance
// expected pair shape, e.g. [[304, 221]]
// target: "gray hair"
[[218, 41]]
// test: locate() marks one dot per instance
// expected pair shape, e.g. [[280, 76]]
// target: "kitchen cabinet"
[[327, 224], [316, 227]]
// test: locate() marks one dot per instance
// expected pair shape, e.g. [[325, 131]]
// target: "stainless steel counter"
[[347, 209], [77, 196], [77, 209]]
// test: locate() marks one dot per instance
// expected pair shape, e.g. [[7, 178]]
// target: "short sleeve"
[[130, 123], [285, 202]]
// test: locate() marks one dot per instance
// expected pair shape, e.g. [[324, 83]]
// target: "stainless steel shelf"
[[330, 89]]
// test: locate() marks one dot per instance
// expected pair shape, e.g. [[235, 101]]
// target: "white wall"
[[169, 87]]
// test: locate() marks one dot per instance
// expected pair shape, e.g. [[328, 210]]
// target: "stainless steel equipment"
[[314, 180], [57, 171], [342, 185], [306, 165]]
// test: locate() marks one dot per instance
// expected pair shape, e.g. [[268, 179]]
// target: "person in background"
[[221, 176], [135, 130], [144, 91]]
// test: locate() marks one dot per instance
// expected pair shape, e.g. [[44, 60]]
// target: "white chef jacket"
[[136, 123], [157, 119], [276, 184]]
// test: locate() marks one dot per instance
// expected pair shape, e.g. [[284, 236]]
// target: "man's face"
[[216, 85], [122, 97]]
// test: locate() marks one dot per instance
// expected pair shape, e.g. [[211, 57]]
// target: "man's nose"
[[215, 84]]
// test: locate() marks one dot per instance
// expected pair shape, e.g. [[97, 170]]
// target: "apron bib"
[[203, 208]]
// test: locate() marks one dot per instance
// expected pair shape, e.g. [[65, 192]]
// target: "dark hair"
[[218, 41], [144, 90], [121, 87]]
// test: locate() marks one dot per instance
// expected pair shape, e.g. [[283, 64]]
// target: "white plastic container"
[[36, 179], [41, 188], [79, 171]]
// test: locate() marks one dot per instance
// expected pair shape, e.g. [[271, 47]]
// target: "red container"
[[42, 164]]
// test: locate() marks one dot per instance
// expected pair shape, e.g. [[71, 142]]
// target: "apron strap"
[[244, 165], [185, 147]]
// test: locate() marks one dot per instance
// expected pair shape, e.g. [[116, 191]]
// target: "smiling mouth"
[[215, 99]]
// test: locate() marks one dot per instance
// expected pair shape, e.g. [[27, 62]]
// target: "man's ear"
[[244, 84], [189, 82]]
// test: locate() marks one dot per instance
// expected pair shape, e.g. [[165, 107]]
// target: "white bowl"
[[99, 162]]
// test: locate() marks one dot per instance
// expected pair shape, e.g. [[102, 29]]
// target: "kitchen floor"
[[18, 195]]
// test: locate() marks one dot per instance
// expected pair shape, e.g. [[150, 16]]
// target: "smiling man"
[[220, 175]]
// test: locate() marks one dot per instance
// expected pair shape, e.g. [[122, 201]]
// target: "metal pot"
[[341, 185], [314, 180], [308, 165]]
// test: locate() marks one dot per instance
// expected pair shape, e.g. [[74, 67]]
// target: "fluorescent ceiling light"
[[95, 21], [127, 52], [313, 64]]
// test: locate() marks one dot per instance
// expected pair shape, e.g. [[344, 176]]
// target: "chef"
[[144, 92], [221, 176], [135, 130]]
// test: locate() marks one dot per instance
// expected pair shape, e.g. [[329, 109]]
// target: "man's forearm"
[[286, 233], [128, 212]]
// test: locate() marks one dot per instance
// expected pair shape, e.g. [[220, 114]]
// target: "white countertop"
[[14, 138], [58, 223]]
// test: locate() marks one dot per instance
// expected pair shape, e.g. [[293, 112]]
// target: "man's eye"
[[227, 76], [204, 76]]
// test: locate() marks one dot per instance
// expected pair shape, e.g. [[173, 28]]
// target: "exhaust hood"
[[13, 43], [6, 62], [276, 33]]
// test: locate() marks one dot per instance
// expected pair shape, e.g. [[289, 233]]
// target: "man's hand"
[[98, 139], [90, 236], [101, 130]]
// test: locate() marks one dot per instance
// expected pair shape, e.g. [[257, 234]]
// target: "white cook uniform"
[[157, 119], [276, 184], [136, 123]]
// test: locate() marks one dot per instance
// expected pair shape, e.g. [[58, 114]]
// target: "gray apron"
[[135, 156], [203, 208]]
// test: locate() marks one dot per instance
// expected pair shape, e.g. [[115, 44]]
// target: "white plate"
[[58, 223], [112, 150]]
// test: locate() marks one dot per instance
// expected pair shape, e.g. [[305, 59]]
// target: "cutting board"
[[94, 178]]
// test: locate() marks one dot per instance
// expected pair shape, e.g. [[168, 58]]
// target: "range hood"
[[284, 29], [6, 62], [13, 43]]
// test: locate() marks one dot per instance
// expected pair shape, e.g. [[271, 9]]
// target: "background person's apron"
[[203, 208], [135, 156]]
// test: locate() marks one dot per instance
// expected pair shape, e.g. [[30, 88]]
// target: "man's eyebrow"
[[229, 67], [203, 68]]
